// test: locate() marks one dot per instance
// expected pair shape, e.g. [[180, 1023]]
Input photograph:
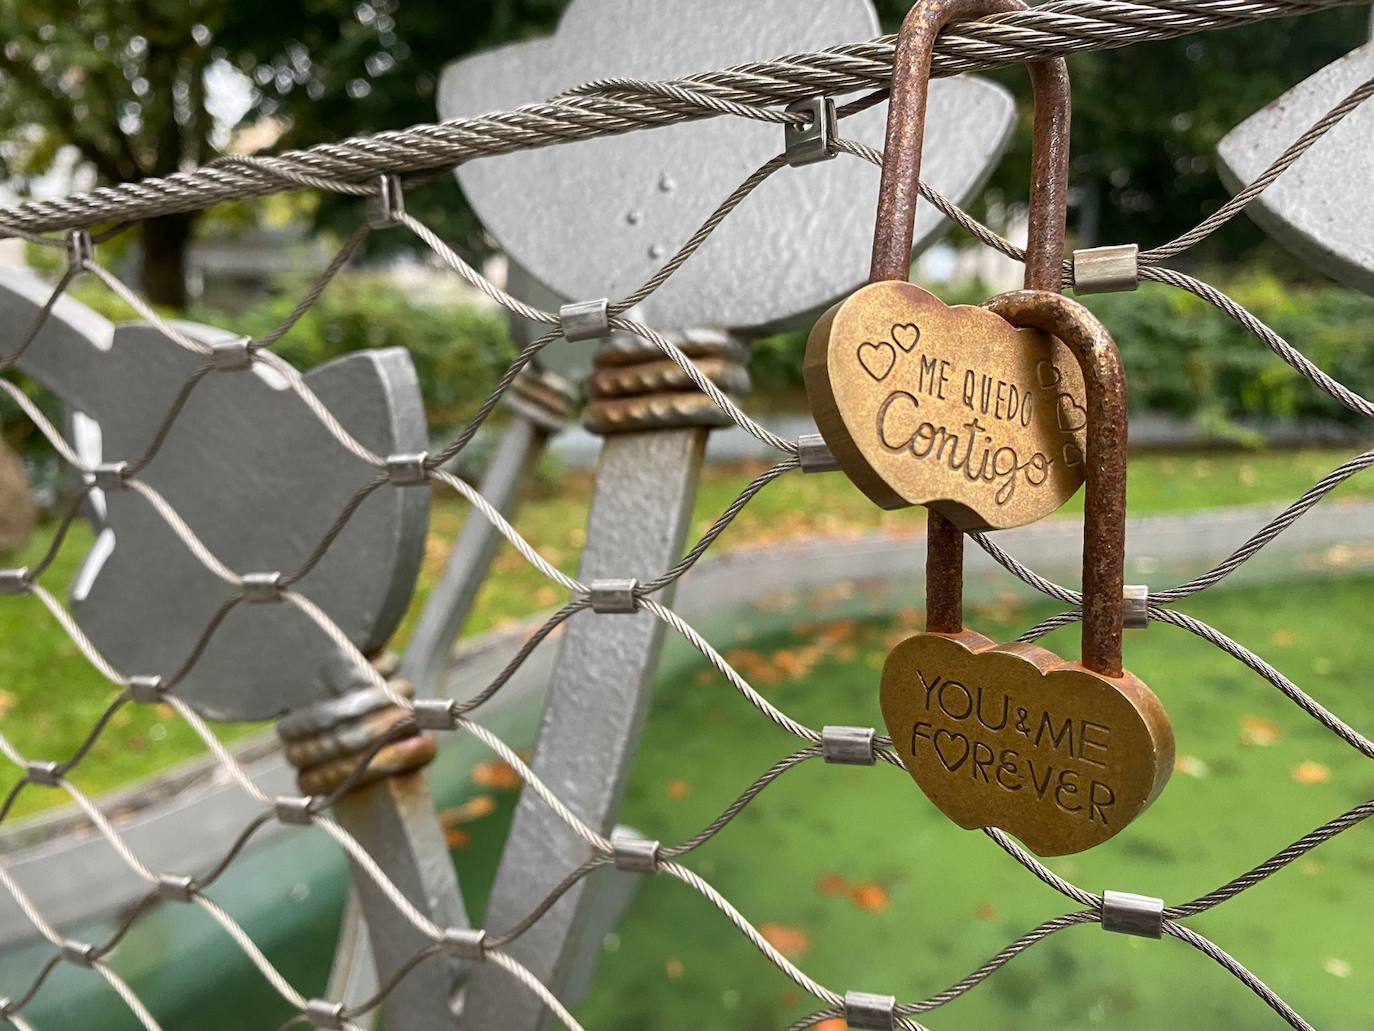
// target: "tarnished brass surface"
[[328, 742], [954, 408], [545, 398], [405, 756], [1012, 736], [897, 197], [1063, 755]]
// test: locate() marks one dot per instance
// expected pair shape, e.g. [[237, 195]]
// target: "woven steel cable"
[[1246, 551], [1054, 29], [1239, 972], [762, 704], [1299, 361], [41, 319], [224, 756], [1236, 969], [1274, 864]]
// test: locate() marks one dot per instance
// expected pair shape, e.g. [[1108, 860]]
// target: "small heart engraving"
[[906, 336], [1072, 416], [1073, 455], [956, 757], [925, 404], [1048, 374], [877, 359]]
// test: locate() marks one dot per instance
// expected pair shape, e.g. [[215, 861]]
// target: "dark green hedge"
[[459, 351], [1184, 357]]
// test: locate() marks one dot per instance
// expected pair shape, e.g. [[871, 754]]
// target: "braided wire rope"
[[599, 108], [1053, 29]]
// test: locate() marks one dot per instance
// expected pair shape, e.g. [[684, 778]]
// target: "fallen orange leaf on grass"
[[831, 1025], [677, 789], [842, 630], [832, 884], [1190, 766], [493, 773], [1257, 732], [473, 809], [790, 941], [870, 896], [1310, 772]]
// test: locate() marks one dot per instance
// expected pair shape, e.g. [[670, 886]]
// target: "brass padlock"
[[951, 407], [1061, 754]]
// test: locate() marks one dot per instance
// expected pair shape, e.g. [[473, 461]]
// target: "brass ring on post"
[[635, 386], [327, 742]]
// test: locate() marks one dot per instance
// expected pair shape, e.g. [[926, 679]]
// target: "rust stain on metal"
[[635, 386], [898, 189], [897, 208], [1104, 519]]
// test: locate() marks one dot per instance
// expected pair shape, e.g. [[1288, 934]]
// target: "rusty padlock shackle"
[[899, 189], [1104, 517]]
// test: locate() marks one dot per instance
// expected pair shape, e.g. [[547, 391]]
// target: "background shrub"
[[1186, 358]]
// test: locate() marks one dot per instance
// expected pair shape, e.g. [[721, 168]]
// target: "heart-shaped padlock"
[[950, 407], [1061, 754]]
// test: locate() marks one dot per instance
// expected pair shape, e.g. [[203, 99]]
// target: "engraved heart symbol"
[[963, 424], [877, 359], [1047, 374], [1073, 455], [1071, 415], [1015, 737], [948, 737], [906, 336]]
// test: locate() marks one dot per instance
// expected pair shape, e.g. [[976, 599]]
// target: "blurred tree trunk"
[[18, 516], [166, 241]]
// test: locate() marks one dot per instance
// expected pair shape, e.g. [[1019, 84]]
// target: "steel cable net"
[[599, 108]]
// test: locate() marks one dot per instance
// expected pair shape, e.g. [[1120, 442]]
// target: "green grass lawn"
[[859, 878], [797, 507], [50, 697]]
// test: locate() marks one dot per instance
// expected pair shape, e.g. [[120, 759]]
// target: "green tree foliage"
[[1185, 358], [124, 81], [1147, 119]]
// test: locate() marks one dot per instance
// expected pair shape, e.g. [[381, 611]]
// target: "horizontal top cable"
[[1057, 28]]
